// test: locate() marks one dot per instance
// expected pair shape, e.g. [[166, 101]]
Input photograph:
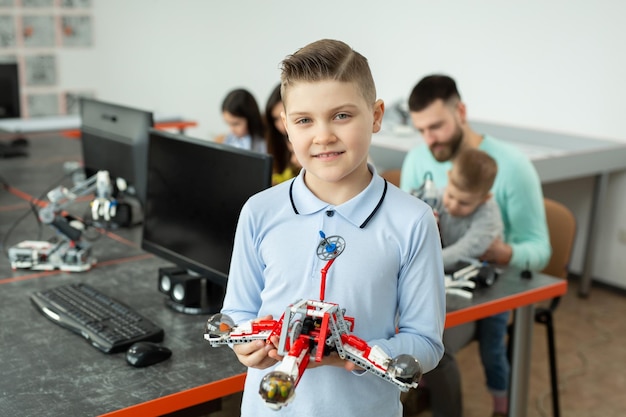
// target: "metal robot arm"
[[70, 252], [103, 204]]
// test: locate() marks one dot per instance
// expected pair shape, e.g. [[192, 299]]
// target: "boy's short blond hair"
[[473, 171], [328, 59]]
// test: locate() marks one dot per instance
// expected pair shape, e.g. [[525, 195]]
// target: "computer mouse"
[[142, 354]]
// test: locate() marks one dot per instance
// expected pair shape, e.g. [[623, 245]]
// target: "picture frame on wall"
[[40, 70], [76, 30], [38, 31], [42, 104], [7, 31]]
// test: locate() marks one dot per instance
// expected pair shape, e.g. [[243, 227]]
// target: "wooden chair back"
[[562, 229]]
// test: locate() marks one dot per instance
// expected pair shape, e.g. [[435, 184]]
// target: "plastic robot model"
[[471, 273], [70, 252], [308, 330], [428, 191]]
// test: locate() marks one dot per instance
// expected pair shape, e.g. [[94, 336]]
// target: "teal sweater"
[[517, 190]]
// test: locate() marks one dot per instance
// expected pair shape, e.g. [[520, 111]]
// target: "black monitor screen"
[[9, 91], [195, 191], [115, 139]]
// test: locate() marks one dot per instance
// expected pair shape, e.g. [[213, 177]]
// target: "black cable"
[[90, 224]]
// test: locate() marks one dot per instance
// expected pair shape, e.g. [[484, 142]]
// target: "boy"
[[469, 219], [389, 277]]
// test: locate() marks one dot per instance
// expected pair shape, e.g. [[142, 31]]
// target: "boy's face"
[[330, 126], [460, 203], [237, 125]]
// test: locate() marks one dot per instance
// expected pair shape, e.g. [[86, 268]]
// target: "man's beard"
[[451, 148]]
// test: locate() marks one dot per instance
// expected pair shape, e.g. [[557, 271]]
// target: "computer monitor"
[[115, 139], [9, 91], [195, 191]]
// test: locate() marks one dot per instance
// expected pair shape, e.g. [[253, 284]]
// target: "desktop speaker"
[[190, 293]]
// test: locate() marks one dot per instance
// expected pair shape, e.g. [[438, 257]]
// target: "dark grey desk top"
[[510, 291], [48, 370]]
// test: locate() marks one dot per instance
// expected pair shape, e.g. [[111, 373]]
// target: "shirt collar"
[[358, 210]]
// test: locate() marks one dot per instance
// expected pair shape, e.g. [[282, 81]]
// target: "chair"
[[392, 175], [562, 229]]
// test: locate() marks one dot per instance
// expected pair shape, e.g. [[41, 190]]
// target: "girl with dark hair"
[[241, 112], [286, 165]]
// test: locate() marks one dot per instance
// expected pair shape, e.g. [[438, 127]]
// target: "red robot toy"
[[310, 329]]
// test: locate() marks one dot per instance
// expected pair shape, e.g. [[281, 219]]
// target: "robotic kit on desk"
[[467, 275], [309, 330], [69, 251]]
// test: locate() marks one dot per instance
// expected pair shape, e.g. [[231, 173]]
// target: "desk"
[[511, 292], [48, 370], [556, 157]]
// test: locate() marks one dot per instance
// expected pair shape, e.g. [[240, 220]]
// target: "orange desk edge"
[[465, 315], [75, 133], [184, 399]]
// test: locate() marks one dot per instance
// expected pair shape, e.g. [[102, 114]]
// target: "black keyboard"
[[105, 322]]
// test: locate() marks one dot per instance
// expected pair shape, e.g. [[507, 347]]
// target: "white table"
[[59, 123]]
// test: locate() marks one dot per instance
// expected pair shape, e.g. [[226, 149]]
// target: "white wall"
[[555, 65]]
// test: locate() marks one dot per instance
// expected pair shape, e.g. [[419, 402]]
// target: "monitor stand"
[[190, 293]]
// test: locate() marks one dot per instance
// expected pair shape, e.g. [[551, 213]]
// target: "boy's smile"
[[327, 155], [330, 126]]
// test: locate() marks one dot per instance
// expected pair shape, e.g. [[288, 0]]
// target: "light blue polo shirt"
[[389, 275]]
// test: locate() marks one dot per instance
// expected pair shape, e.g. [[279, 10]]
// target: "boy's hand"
[[333, 360], [272, 344], [256, 354]]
